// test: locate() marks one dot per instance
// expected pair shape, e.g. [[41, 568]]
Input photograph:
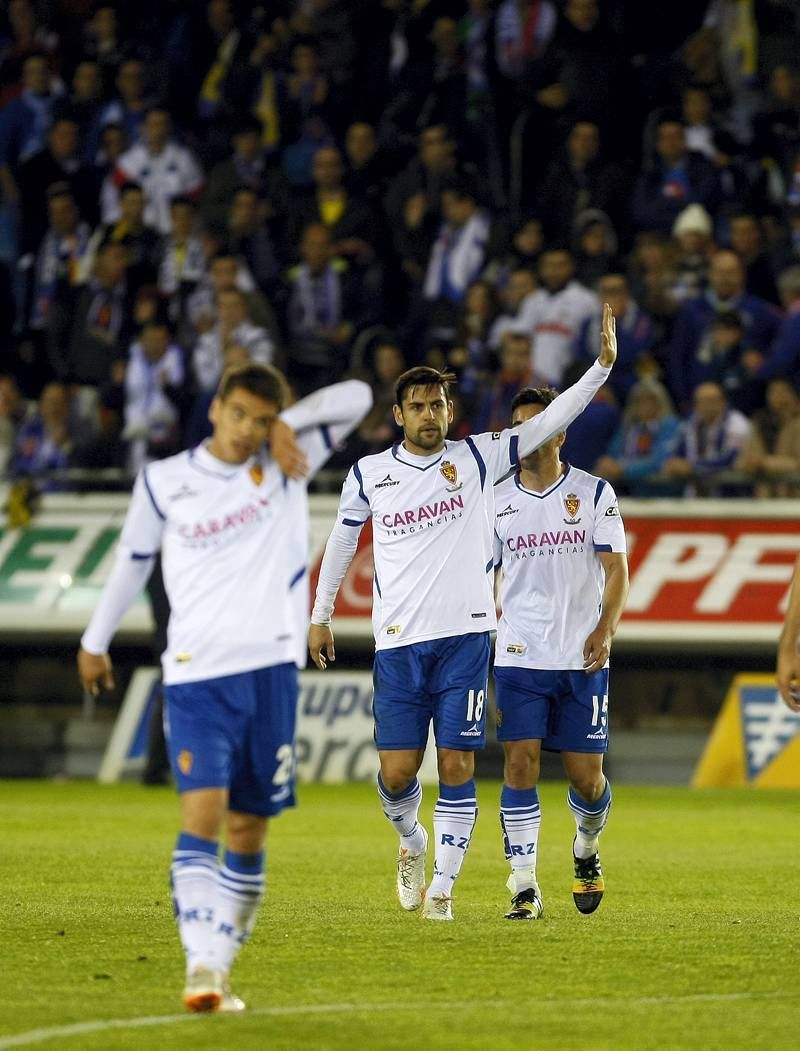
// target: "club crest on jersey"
[[256, 472], [185, 760], [450, 475], [572, 506]]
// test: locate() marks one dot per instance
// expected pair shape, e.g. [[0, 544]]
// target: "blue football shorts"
[[566, 710], [444, 681], [236, 732]]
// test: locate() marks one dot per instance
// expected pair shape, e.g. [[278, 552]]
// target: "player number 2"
[[599, 712], [285, 758], [474, 706]]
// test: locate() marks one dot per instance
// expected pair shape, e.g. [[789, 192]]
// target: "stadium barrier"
[[703, 572], [334, 741], [755, 740]]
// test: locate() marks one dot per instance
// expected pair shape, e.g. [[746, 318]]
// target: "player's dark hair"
[[263, 381], [422, 376], [533, 396]]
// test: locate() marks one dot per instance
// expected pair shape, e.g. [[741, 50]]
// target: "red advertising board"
[[716, 571]]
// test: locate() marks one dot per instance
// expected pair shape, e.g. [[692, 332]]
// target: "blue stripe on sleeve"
[[141, 556], [603, 547], [600, 487], [357, 473], [481, 465], [351, 522], [156, 508], [297, 577], [513, 450], [378, 586], [326, 436], [490, 564]]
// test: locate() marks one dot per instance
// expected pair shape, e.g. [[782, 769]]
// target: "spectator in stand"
[[772, 450], [128, 111], [554, 315], [581, 180], [56, 273], [367, 167], [45, 439], [595, 425], [677, 177], [144, 244], [103, 44], [747, 241], [85, 104], [470, 357], [306, 112], [111, 147], [155, 383], [323, 312], [14, 409], [594, 246], [351, 222], [245, 167], [643, 442], [514, 298], [635, 334], [693, 240], [456, 258], [233, 329], [776, 130], [708, 441], [162, 167], [58, 162], [523, 30], [690, 351], [183, 259], [493, 410], [102, 320], [413, 200], [653, 276], [734, 365], [24, 123], [378, 428], [783, 360], [706, 135], [524, 252], [247, 236], [227, 271]]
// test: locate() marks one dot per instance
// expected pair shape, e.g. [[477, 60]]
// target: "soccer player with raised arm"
[[431, 504], [230, 519], [561, 543]]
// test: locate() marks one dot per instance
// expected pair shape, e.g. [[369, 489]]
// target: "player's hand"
[[320, 637], [285, 451], [596, 650], [608, 341], [788, 675], [94, 671]]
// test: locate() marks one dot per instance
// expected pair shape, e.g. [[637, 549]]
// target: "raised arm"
[[571, 403]]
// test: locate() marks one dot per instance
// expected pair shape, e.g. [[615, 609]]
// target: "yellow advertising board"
[[755, 740]]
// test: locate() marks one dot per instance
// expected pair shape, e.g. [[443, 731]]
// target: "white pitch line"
[[37, 1036]]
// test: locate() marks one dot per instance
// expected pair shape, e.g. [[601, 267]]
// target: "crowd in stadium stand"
[[355, 186]]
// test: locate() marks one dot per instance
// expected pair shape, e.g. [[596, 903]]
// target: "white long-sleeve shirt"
[[554, 321], [234, 545], [432, 527]]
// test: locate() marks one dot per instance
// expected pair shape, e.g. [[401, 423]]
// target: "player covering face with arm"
[[230, 520], [431, 505]]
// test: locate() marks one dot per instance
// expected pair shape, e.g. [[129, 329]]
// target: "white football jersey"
[[552, 586], [431, 528], [234, 545]]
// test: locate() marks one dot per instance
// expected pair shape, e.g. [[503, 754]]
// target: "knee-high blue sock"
[[590, 820], [521, 816], [240, 888], [194, 892], [453, 821]]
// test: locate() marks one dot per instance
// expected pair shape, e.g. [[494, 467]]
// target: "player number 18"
[[474, 706]]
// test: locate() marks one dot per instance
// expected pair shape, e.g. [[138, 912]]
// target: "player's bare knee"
[[455, 768], [522, 763], [397, 774], [589, 786]]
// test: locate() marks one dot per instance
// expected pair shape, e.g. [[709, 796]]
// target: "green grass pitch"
[[695, 944]]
